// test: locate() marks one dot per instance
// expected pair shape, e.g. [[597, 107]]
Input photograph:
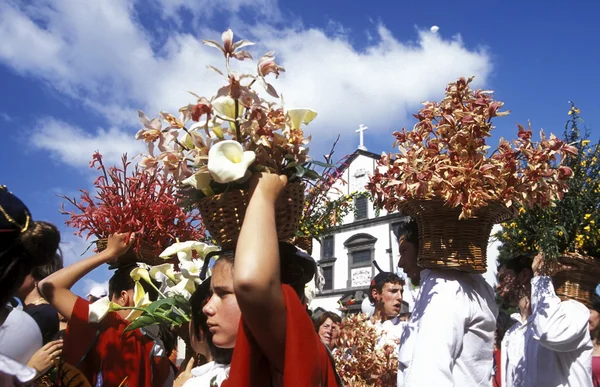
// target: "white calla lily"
[[200, 181], [228, 162], [310, 290], [140, 299], [140, 273], [225, 106], [165, 268], [183, 250], [191, 270], [100, 308], [298, 116], [184, 288]]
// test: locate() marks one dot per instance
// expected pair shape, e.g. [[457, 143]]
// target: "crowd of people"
[[250, 325]]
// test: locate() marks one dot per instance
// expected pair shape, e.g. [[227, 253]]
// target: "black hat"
[[297, 267], [14, 218]]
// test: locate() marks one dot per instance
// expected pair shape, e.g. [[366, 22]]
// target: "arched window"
[[361, 251]]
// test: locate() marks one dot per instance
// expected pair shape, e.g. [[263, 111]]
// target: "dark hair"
[[324, 316], [122, 280], [36, 245], [297, 267], [198, 301], [518, 264], [379, 281], [409, 230], [43, 271], [596, 302]]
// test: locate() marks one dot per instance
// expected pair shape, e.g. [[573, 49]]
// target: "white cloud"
[[5, 117], [100, 54], [74, 146], [89, 284]]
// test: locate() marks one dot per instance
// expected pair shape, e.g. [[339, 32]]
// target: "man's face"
[[507, 286], [408, 260], [390, 299]]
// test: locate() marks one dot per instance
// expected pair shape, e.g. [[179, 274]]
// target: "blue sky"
[[74, 73]]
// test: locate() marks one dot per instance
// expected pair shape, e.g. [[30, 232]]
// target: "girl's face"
[[222, 310]]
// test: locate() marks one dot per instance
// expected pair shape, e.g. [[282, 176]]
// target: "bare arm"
[[256, 278], [55, 288]]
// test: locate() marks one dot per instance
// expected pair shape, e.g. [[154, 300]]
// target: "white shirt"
[[207, 373], [449, 339], [391, 331], [553, 347], [20, 338]]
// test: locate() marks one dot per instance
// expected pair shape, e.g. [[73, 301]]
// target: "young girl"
[[276, 344]]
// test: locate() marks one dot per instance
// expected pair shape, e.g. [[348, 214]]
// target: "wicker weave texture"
[[579, 283], [447, 242], [146, 254], [223, 214], [303, 242]]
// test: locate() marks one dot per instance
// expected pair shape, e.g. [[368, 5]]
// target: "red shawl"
[[307, 361]]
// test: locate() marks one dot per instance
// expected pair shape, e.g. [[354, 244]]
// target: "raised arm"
[[256, 274], [55, 288], [558, 325]]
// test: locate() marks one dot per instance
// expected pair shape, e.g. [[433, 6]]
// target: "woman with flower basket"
[[443, 178], [99, 345]]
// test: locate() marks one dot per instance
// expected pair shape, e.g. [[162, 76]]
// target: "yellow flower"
[[560, 233], [583, 163], [505, 236], [521, 210], [585, 142], [587, 216], [592, 222], [587, 228], [513, 224]]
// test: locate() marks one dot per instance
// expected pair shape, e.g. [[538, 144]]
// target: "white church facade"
[[346, 254]]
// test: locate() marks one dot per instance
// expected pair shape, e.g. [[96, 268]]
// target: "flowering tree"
[[142, 203], [570, 225], [445, 156]]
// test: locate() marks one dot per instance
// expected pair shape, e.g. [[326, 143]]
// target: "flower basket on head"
[[143, 203], [581, 281], [443, 163], [217, 143], [569, 231], [223, 214], [445, 241]]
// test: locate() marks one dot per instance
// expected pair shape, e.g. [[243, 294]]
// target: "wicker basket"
[[146, 254], [450, 243], [223, 214], [580, 283]]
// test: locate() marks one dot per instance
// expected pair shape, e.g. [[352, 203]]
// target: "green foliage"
[[571, 225]]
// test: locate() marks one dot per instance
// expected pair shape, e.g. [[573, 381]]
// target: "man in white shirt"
[[448, 340], [550, 344]]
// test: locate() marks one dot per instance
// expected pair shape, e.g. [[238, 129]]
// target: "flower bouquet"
[[445, 179], [143, 203], [359, 359], [568, 231], [173, 283], [214, 145]]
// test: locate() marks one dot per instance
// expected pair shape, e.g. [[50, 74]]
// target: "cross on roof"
[[361, 129]]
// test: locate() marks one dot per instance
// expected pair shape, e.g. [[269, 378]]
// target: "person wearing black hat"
[[276, 343], [24, 244]]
